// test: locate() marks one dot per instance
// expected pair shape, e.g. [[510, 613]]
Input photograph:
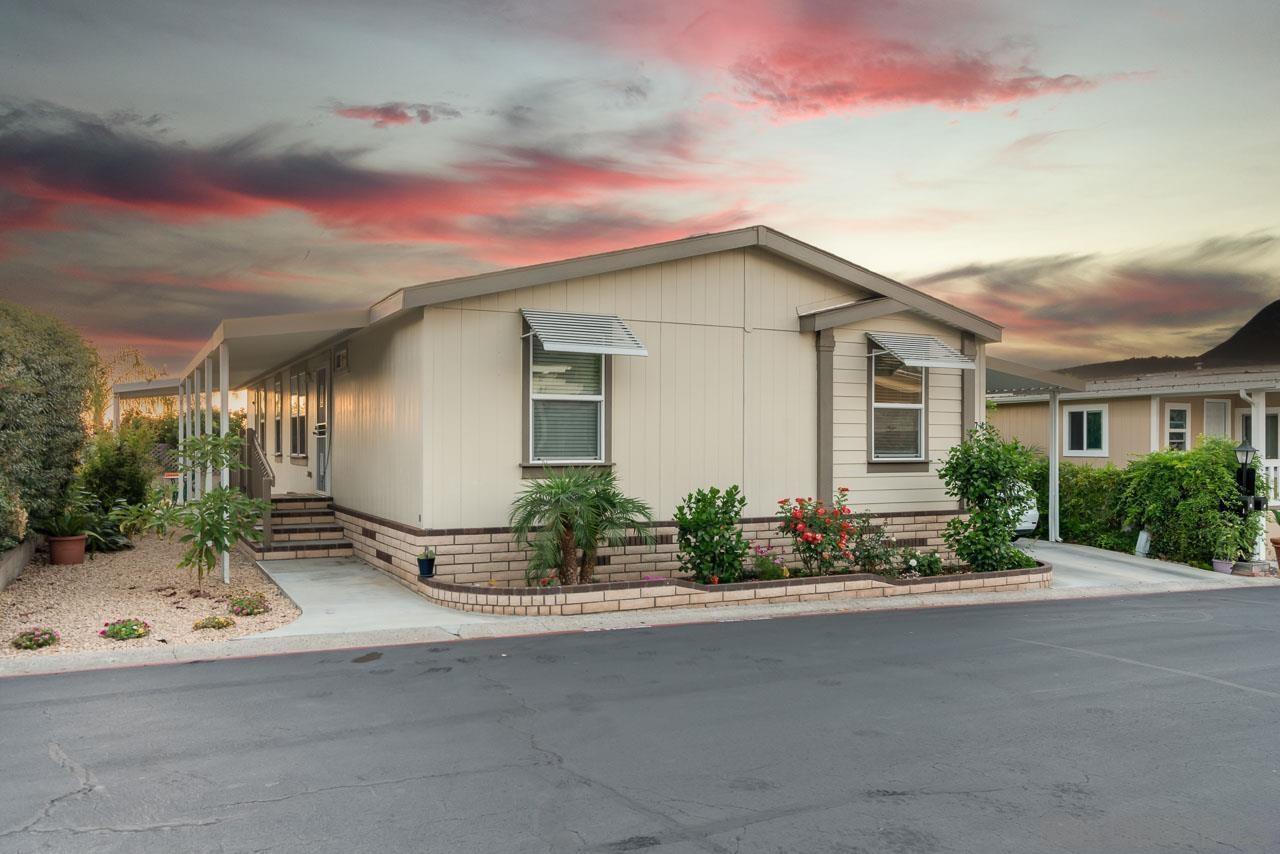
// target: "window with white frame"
[[1177, 422], [1085, 430], [897, 409], [1217, 418], [277, 406], [566, 405], [1272, 449], [298, 411]]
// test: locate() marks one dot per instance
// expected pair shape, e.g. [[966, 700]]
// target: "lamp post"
[[1250, 502]]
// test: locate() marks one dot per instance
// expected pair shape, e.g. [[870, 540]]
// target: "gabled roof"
[[756, 236]]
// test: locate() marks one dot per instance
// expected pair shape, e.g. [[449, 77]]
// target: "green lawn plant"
[[708, 537], [213, 623], [35, 637], [248, 605], [990, 476], [129, 628]]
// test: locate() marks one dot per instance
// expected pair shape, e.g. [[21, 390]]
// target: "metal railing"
[[257, 477]]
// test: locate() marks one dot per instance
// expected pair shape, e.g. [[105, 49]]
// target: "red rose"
[[800, 527]]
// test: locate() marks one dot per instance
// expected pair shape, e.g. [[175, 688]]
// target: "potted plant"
[[1275, 541], [70, 530], [427, 562], [1226, 544]]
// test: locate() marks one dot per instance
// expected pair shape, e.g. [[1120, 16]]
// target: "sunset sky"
[[1102, 178]]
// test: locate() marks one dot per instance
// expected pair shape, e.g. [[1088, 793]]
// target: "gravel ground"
[[143, 582]]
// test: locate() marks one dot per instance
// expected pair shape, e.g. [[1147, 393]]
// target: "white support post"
[[1258, 402], [1054, 464], [208, 414], [115, 413], [197, 425], [1157, 424], [182, 437], [224, 425]]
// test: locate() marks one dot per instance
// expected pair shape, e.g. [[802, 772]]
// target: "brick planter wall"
[[482, 555], [638, 595]]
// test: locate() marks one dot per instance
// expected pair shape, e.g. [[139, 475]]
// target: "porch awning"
[[563, 332], [921, 351]]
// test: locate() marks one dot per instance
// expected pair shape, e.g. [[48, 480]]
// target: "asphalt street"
[[1135, 724]]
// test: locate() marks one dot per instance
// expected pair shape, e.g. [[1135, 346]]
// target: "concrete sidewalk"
[[341, 596]]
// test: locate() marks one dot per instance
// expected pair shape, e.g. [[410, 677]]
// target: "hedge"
[[45, 377], [1175, 495]]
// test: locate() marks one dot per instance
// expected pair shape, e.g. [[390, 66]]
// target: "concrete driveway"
[[1084, 566], [346, 595]]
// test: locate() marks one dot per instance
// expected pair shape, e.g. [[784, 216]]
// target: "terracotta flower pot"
[[67, 550]]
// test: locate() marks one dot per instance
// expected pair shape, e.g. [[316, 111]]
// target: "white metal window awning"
[[921, 351], [562, 332]]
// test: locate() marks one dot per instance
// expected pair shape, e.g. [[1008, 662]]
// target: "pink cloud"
[[395, 113], [805, 58]]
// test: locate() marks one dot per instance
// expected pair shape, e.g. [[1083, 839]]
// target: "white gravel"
[[143, 582]]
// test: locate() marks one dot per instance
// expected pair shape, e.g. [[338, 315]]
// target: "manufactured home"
[[742, 357]]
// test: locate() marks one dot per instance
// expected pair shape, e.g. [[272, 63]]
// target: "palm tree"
[[560, 514], [610, 516], [554, 507]]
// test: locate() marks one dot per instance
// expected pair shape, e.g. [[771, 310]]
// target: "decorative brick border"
[[677, 593], [484, 555]]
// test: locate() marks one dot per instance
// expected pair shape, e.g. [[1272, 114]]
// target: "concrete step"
[[302, 516], [305, 531], [301, 502], [290, 549]]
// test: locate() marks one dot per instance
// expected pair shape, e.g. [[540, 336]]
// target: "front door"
[[321, 430]]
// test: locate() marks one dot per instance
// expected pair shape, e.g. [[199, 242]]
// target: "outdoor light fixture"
[[1245, 453]]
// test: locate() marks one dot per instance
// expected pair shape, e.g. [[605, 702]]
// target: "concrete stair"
[[302, 526]]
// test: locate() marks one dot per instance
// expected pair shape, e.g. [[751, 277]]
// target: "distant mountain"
[[1132, 367], [1255, 343]]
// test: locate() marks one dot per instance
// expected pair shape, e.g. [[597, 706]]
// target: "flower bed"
[[679, 593]]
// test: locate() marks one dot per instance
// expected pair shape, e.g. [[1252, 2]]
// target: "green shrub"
[[711, 544], [118, 466], [13, 516], [1091, 509], [248, 605], [126, 629], [213, 623], [35, 637], [990, 476], [1179, 496], [45, 378]]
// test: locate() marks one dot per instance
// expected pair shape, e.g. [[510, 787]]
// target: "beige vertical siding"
[[377, 423], [727, 394], [880, 490]]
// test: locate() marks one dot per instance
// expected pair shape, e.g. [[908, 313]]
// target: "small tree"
[[712, 545], [215, 521], [610, 515], [991, 477]]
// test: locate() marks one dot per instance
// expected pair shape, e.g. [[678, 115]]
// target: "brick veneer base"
[[675, 593], [483, 555]]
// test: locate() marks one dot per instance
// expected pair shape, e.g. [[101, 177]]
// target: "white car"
[[1030, 516]]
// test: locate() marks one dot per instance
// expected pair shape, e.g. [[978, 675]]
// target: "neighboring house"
[[743, 357], [1132, 407]]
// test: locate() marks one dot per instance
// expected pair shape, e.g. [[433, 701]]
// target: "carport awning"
[[921, 351], [563, 332]]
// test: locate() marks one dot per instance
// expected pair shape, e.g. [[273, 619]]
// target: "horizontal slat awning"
[[562, 332], [921, 351]]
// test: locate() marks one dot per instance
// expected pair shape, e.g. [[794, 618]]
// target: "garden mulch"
[[143, 582]]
